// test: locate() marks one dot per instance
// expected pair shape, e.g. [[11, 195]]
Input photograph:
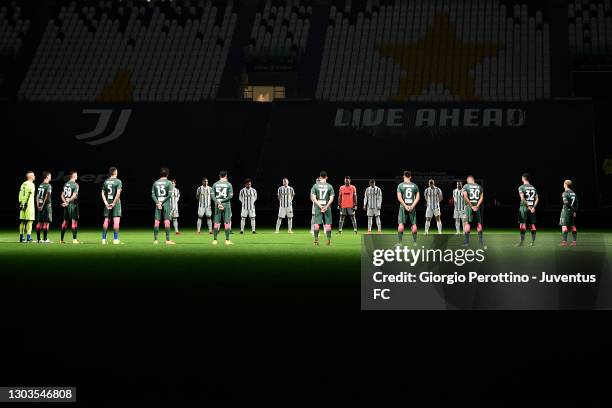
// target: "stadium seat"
[[435, 50], [120, 51]]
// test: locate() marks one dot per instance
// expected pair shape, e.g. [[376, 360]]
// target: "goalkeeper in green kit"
[[27, 209]]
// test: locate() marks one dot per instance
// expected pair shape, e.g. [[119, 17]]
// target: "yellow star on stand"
[[425, 67]]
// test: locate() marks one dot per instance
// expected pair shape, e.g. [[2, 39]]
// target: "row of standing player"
[[467, 201]]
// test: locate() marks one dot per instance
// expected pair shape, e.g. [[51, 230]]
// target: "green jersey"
[[43, 195], [110, 188], [71, 188], [322, 192], [529, 193], [222, 192], [161, 190], [474, 192], [409, 192], [570, 202]]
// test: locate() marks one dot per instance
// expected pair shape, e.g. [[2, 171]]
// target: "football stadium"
[[177, 171]]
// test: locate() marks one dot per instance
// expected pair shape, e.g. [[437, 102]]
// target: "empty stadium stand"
[[281, 28], [13, 28], [590, 28], [132, 51], [435, 50]]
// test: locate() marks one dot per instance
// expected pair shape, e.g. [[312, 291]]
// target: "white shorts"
[[285, 212], [247, 213], [373, 212], [459, 214], [204, 211], [432, 212]]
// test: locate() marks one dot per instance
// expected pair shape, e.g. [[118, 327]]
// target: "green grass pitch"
[[264, 255]]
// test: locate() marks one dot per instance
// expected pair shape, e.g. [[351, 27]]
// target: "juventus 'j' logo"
[[103, 124]]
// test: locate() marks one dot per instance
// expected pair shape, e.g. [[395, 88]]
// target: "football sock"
[[242, 222], [522, 236], [63, 232], [466, 239], [458, 225], [115, 235], [253, 224], [29, 228], [199, 224], [427, 223], [341, 223], [45, 231], [167, 233], [278, 223], [175, 223], [414, 236], [481, 237], [104, 228], [227, 233], [400, 236], [209, 222], [155, 232], [564, 236], [354, 221], [369, 223], [533, 236], [378, 224], [574, 236], [439, 224], [290, 222], [38, 228], [328, 234], [215, 233]]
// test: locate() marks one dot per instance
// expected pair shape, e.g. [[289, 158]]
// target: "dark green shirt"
[[474, 191], [222, 192], [43, 195], [322, 192], [161, 190], [110, 188], [529, 193], [409, 192], [70, 189], [570, 201]]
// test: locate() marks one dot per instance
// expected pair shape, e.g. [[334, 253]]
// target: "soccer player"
[[433, 197], [70, 197], [174, 207], [312, 218], [459, 208], [527, 217], [322, 195], [222, 193], [568, 213], [473, 196], [347, 204], [161, 193], [27, 211], [111, 193], [285, 195], [372, 202], [408, 196], [43, 205], [203, 194], [247, 196]]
